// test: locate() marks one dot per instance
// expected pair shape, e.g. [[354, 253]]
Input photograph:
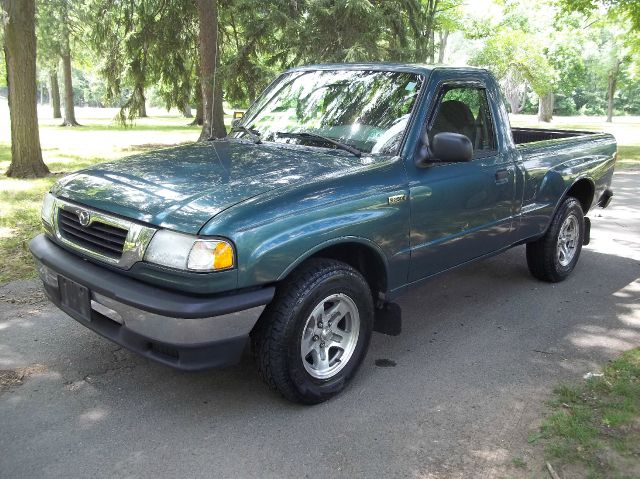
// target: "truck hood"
[[182, 188]]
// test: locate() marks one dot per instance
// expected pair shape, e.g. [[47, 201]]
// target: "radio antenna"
[[213, 93]]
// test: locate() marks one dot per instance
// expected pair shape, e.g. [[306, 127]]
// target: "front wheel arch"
[[363, 255]]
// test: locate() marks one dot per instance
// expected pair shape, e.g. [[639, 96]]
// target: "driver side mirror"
[[447, 148]]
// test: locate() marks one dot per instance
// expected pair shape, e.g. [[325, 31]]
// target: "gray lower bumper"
[[183, 343], [179, 330]]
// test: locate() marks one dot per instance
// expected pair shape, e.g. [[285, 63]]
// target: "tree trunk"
[[545, 107], [251, 91], [54, 89], [69, 109], [186, 110], [142, 106], [611, 89], [142, 113], [514, 90], [444, 36], [20, 57], [432, 46], [219, 129], [514, 104], [198, 98], [213, 122], [198, 120]]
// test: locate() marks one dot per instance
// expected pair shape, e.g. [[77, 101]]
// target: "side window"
[[465, 110]]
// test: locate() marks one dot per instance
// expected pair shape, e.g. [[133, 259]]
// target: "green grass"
[[595, 425], [519, 463], [65, 150]]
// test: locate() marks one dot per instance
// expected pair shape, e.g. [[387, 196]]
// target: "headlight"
[[181, 251], [47, 209], [208, 255]]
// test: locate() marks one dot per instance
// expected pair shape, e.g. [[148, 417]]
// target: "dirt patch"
[[10, 378], [22, 292], [28, 297]]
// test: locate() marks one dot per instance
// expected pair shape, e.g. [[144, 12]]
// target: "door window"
[[465, 110]]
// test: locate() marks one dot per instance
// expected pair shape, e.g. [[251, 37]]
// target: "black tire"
[[542, 255], [276, 338]]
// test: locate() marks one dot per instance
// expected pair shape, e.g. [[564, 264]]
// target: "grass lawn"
[[65, 150], [99, 139], [594, 427]]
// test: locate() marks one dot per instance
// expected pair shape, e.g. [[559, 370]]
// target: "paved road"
[[480, 350]]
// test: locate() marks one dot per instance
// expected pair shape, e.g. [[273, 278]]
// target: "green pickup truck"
[[340, 188]]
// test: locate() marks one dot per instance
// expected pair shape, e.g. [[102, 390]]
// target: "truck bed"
[[530, 135]]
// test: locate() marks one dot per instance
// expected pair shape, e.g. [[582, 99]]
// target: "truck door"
[[461, 211]]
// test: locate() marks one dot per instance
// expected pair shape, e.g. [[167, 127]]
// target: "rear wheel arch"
[[582, 190]]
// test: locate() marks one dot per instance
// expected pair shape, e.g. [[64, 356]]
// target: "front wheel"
[[314, 335], [553, 257]]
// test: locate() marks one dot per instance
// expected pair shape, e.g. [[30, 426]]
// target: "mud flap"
[[587, 231], [388, 319]]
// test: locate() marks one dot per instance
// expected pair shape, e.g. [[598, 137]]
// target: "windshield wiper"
[[326, 139], [254, 134]]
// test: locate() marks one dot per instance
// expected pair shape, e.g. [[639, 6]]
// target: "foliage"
[[153, 42], [56, 19], [143, 43], [518, 51], [127, 52], [559, 51], [622, 8]]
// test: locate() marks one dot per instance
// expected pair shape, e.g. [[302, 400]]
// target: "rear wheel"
[[553, 257], [313, 336]]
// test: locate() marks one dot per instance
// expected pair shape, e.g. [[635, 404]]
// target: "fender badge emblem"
[[397, 199]]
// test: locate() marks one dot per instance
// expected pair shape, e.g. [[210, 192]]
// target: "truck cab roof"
[[417, 68]]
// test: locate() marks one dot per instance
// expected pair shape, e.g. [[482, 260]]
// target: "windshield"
[[367, 110]]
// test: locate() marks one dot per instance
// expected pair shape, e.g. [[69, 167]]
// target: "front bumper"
[[180, 330]]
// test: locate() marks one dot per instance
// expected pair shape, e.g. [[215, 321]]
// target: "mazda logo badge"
[[84, 217]]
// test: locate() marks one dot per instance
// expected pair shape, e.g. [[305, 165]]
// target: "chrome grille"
[[95, 234], [100, 237]]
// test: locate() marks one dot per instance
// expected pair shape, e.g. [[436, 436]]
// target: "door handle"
[[502, 176]]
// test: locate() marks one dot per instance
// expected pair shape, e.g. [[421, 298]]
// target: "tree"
[[622, 24], [20, 57], [151, 42], [49, 52], [256, 42], [213, 119], [56, 22], [69, 108], [514, 88], [517, 53], [54, 88], [615, 56]]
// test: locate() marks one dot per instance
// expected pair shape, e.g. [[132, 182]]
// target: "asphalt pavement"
[[455, 395]]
